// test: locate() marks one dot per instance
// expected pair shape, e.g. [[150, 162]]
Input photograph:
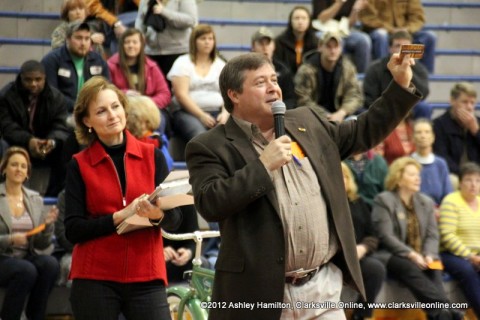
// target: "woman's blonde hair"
[[12, 151], [86, 96], [396, 169], [142, 108], [350, 184]]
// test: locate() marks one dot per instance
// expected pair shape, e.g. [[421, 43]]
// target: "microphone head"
[[278, 107]]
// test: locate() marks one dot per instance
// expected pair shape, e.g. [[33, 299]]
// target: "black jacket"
[[49, 119], [377, 78], [451, 139], [61, 73], [285, 48]]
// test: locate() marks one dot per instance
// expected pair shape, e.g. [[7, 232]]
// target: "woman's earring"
[[90, 130]]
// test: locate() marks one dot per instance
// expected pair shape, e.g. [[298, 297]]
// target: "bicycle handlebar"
[[195, 236]]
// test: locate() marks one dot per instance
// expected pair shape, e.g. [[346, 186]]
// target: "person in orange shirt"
[[298, 39], [118, 15]]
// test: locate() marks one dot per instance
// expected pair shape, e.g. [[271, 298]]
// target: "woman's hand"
[[134, 93], [151, 211], [223, 116], [52, 215], [158, 8], [361, 251], [428, 260], [183, 256], [142, 207], [126, 212], [19, 239], [207, 120], [170, 254], [360, 5], [97, 38], [418, 259]]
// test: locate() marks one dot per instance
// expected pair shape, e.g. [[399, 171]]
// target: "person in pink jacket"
[[135, 74]]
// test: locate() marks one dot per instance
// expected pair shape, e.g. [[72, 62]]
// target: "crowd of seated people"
[[170, 76]]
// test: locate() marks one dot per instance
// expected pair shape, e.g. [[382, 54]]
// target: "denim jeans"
[[106, 300], [34, 276], [468, 277], [187, 126], [380, 47], [379, 43], [429, 39], [359, 47]]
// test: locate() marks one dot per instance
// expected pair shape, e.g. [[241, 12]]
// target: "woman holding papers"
[[25, 233], [106, 184]]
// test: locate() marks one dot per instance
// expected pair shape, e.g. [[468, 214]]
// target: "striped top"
[[21, 224], [459, 226]]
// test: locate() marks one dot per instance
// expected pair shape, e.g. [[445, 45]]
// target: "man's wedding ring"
[[289, 152]]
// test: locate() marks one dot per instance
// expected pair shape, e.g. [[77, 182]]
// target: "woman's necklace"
[[16, 204], [16, 201]]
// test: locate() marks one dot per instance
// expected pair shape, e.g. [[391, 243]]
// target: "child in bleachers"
[[143, 120], [76, 10]]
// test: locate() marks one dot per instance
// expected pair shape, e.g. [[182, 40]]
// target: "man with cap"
[[328, 80], [262, 42], [69, 66]]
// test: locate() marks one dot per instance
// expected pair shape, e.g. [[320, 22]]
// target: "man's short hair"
[[233, 74], [463, 87], [401, 34], [32, 66], [76, 26]]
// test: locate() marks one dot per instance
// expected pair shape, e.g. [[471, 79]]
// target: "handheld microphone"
[[278, 110]]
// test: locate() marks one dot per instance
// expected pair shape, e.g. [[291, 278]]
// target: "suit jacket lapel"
[[422, 218], [238, 139], [4, 209], [401, 214]]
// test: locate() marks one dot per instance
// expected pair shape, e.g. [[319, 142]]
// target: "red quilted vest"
[[133, 257]]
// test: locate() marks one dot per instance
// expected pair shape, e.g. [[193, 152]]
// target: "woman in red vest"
[[114, 273]]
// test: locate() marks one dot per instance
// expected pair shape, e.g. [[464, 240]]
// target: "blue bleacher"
[[226, 21]]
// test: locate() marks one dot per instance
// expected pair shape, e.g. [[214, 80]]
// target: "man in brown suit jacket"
[[244, 178]]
